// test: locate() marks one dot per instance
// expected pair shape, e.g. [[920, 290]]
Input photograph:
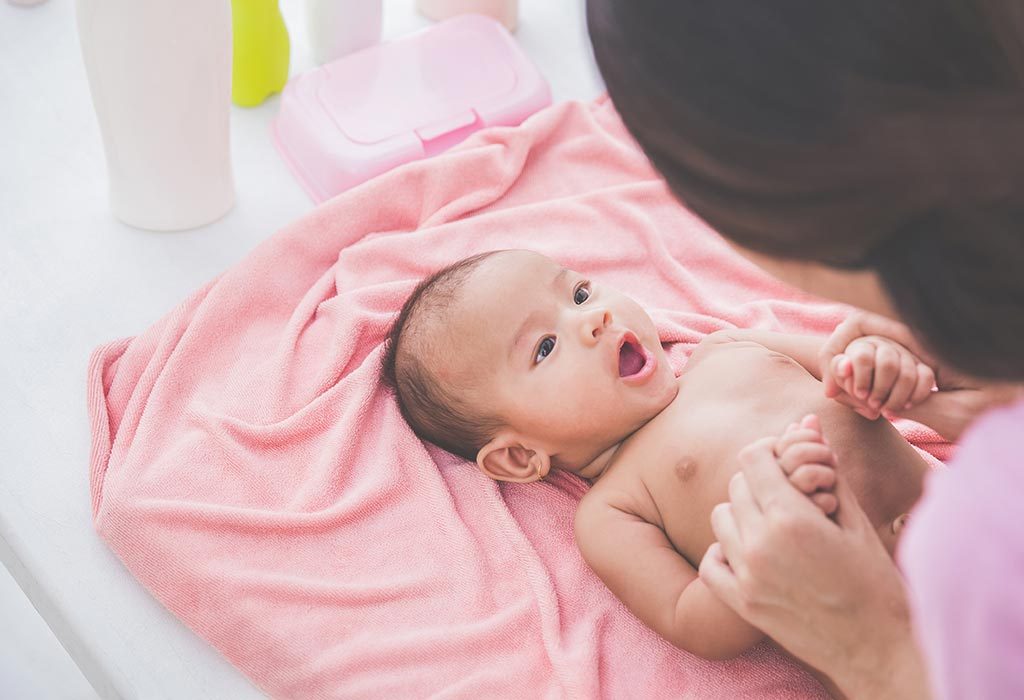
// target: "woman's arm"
[[950, 411], [825, 590]]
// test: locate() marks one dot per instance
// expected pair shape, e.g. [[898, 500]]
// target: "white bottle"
[[505, 11], [340, 27], [160, 76]]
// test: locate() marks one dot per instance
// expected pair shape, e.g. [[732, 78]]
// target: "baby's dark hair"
[[437, 411]]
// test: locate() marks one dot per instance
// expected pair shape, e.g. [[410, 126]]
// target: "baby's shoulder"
[[725, 358], [723, 341], [619, 495]]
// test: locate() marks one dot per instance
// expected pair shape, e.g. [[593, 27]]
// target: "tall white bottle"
[[160, 76], [339, 27]]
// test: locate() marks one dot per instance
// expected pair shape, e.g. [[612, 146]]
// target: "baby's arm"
[[873, 373], [804, 349], [637, 562]]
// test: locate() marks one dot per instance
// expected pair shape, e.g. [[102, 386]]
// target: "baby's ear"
[[505, 458]]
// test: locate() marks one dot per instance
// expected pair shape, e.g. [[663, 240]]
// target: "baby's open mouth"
[[632, 357]]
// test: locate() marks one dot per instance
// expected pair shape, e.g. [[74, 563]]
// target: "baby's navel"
[[685, 469]]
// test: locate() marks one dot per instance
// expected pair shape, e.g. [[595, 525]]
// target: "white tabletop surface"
[[72, 277]]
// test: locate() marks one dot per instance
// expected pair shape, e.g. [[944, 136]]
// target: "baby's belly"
[[884, 471]]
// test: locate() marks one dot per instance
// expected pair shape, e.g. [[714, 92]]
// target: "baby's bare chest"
[[679, 464]]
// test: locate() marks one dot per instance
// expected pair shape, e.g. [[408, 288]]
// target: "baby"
[[523, 366]]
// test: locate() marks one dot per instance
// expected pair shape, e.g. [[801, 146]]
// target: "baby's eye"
[[582, 293], [544, 349]]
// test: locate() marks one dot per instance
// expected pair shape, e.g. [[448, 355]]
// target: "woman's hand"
[[957, 403], [825, 590]]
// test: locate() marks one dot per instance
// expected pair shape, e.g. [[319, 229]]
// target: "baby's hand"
[[877, 374], [809, 462]]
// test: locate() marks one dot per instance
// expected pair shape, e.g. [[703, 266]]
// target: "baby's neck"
[[599, 464]]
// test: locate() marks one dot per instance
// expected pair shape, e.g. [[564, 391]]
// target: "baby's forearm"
[[709, 628]]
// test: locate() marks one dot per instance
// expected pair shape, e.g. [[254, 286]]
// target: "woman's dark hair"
[[881, 134], [437, 411]]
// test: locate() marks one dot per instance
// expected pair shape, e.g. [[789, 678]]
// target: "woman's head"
[[880, 137], [516, 362]]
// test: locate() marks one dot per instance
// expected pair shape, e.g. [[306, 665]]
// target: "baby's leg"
[[809, 462]]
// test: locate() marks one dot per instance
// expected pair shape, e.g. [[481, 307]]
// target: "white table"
[[72, 277]]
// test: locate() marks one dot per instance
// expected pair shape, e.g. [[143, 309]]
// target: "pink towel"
[[250, 470]]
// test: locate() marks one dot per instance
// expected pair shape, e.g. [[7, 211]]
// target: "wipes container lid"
[[363, 114]]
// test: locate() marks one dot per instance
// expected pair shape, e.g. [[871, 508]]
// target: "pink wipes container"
[[392, 103]]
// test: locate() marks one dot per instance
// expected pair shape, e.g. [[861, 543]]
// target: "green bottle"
[[261, 51]]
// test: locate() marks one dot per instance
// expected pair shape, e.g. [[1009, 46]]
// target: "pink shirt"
[[963, 556]]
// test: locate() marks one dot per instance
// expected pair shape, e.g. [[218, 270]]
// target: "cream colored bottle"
[[160, 77]]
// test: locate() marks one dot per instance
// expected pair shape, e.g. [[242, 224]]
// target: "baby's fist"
[[878, 374], [809, 462]]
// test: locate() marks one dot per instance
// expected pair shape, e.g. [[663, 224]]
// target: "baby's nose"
[[595, 323]]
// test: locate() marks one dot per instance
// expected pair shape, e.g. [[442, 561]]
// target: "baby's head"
[[513, 361]]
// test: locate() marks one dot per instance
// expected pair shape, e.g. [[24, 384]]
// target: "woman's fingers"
[[727, 532], [718, 575], [744, 510]]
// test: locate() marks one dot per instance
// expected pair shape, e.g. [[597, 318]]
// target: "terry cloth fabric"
[[248, 467]]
